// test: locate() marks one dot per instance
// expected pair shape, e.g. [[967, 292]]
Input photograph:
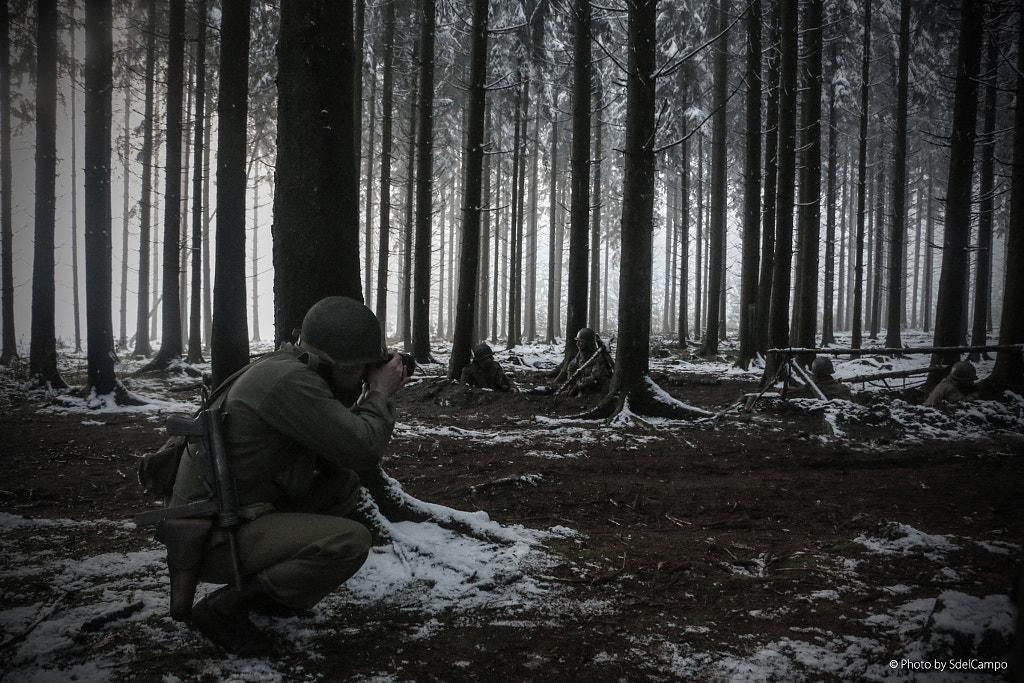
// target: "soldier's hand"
[[389, 377]]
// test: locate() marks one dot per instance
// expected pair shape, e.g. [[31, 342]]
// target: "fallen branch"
[[890, 375]]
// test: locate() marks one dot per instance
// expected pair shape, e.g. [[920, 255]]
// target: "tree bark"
[[387, 142], [43, 345], [828, 305], [897, 267], [983, 265], [195, 325], [229, 346], [472, 208], [751, 188], [142, 347], [424, 187], [805, 297], [9, 343], [316, 201], [862, 152], [949, 317], [579, 199], [771, 161], [98, 218], [719, 180]]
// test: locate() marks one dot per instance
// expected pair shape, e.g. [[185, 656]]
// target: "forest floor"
[[872, 540]]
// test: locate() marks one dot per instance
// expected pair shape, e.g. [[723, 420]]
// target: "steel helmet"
[[963, 371], [586, 335], [822, 367], [481, 351], [345, 330]]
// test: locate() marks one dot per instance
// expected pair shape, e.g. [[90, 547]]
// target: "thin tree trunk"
[[778, 322], [929, 266], [229, 344], [195, 340], [684, 241], [424, 188], [771, 159], [878, 258], [9, 342], [142, 336], [43, 345], [594, 312], [897, 267], [579, 200], [75, 294], [122, 338], [371, 104], [472, 207], [254, 260], [862, 151], [828, 307], [719, 176], [170, 344], [751, 188], [405, 287], [387, 142], [553, 284]]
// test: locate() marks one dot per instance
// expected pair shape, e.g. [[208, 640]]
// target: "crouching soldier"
[[485, 372], [590, 369], [299, 424], [955, 387], [822, 369]]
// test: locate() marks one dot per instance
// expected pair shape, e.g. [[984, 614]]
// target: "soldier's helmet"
[[344, 329], [822, 367], [481, 351], [963, 371], [587, 336]]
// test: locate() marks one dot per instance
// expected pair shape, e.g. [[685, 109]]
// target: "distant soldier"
[[485, 372], [586, 373], [822, 370], [957, 386]]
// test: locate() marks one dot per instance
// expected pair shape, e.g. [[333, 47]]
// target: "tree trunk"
[[949, 317], [1009, 367], [719, 180], [878, 231], [371, 104], [98, 218], [684, 241], [530, 321], [512, 329], [897, 267], [862, 152], [553, 283], [632, 390], [170, 340], [472, 206], [983, 267], [771, 161], [386, 144], [594, 308], [316, 200], [579, 200], [142, 347], [424, 187], [122, 338], [195, 325], [43, 346], [9, 343], [828, 305], [805, 297], [229, 345], [254, 258], [751, 188], [405, 287], [778, 321]]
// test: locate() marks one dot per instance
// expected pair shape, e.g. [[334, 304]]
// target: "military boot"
[[223, 617]]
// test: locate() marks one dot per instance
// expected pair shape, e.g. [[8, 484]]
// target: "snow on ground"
[[430, 570]]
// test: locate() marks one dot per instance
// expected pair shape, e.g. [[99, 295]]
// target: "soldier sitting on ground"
[[587, 374], [957, 386], [485, 372], [821, 371]]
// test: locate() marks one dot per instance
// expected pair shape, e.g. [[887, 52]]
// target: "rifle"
[[185, 529], [602, 351]]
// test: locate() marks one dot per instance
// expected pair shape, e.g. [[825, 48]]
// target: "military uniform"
[[594, 378], [949, 391], [485, 373], [833, 388], [293, 448]]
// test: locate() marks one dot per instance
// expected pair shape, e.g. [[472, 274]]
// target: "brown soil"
[[667, 528]]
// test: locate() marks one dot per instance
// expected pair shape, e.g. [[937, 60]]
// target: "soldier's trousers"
[[297, 557]]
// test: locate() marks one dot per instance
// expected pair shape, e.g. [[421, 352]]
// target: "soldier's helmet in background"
[[963, 371], [822, 367], [587, 336], [481, 351]]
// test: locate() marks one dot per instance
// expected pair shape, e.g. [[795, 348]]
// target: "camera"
[[409, 362]]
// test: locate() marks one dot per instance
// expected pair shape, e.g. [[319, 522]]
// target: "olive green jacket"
[[485, 373], [280, 417]]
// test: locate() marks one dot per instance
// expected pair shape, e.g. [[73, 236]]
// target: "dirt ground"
[[694, 536]]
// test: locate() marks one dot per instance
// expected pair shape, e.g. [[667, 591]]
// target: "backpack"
[[158, 470]]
